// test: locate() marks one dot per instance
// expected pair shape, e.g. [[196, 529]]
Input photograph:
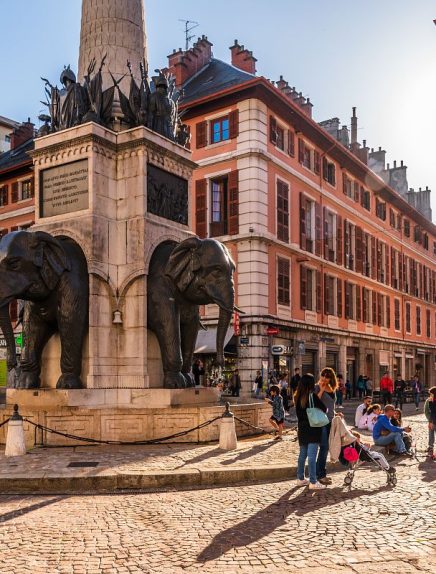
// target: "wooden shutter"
[[282, 211], [387, 265], [303, 235], [339, 251], [4, 199], [200, 208], [393, 276], [325, 169], [201, 134], [291, 143], [347, 299], [346, 244], [326, 294], [234, 124], [318, 291], [364, 304], [15, 188], [379, 259], [273, 130], [373, 258], [233, 191], [303, 287], [359, 250], [388, 312], [358, 303], [379, 309], [300, 150], [344, 183], [326, 234], [318, 230], [32, 187], [316, 162], [14, 228], [339, 295], [374, 308], [356, 191]]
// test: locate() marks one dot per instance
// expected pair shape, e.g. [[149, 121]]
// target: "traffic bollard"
[[15, 444]]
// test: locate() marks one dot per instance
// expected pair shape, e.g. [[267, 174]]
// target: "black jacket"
[[306, 433]]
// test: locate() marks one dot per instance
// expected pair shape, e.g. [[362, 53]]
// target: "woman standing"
[[326, 389], [309, 438]]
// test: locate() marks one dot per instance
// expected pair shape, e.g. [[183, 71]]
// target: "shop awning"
[[206, 341]]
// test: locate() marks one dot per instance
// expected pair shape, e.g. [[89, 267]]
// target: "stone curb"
[[110, 483]]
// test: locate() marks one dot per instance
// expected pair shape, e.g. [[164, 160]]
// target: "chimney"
[[354, 127], [185, 64], [22, 134], [307, 107], [243, 59]]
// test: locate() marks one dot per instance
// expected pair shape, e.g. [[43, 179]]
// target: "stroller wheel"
[[348, 480], [392, 479]]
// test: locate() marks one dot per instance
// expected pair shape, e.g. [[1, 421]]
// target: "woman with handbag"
[[326, 390], [310, 411]]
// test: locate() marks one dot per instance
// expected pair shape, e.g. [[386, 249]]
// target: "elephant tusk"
[[238, 310]]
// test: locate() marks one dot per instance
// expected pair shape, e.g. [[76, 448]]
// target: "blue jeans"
[[416, 396], [396, 437], [308, 451], [321, 470], [431, 435]]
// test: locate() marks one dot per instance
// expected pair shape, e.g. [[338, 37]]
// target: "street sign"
[[272, 330], [277, 349], [244, 340]]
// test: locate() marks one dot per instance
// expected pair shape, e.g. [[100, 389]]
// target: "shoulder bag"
[[317, 417]]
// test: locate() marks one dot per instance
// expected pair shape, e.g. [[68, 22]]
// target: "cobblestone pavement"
[[261, 528]]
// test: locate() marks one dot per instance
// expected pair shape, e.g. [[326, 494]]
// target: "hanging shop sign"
[[272, 330]]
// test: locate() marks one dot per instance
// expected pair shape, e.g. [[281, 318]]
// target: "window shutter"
[[326, 234], [318, 291], [344, 183], [303, 235], [356, 191], [374, 308], [291, 143], [379, 309], [326, 295], [358, 303], [233, 180], [359, 250], [303, 287], [379, 259], [14, 228], [32, 187], [339, 301], [318, 230], [282, 211], [273, 130], [201, 134], [316, 162], [15, 188], [387, 266], [325, 169], [364, 304], [347, 299], [200, 208], [346, 244], [300, 150], [339, 258], [393, 277], [234, 124], [388, 312], [373, 258], [4, 199]]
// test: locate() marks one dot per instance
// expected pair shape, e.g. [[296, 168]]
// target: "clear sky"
[[377, 55]]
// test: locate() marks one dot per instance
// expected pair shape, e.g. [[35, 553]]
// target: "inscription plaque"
[[167, 195], [64, 189]]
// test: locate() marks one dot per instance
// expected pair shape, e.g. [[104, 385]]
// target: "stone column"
[[115, 28]]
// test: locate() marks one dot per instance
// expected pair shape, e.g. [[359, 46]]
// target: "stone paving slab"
[[47, 470]]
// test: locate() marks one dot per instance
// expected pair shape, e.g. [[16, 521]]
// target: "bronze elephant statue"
[[181, 278], [50, 274]]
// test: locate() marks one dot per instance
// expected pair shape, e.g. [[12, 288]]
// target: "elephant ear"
[[49, 257], [183, 263]]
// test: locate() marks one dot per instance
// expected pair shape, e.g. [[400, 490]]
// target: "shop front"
[[205, 352]]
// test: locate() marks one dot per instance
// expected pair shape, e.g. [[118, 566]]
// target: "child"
[[278, 417], [430, 415], [372, 415], [367, 454]]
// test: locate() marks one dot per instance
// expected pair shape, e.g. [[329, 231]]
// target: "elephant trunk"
[[223, 324], [8, 333]]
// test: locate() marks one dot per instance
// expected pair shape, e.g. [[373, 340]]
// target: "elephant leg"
[[36, 333], [189, 323], [71, 334], [167, 331]]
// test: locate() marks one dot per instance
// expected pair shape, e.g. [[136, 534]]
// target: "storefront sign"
[[64, 189], [236, 324], [244, 340], [281, 350], [301, 347], [272, 330]]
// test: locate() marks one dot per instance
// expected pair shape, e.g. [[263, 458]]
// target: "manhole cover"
[[80, 464]]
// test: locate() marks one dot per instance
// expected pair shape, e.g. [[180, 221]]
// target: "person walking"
[[348, 390], [277, 419], [258, 384], [236, 383], [360, 385], [326, 388], [283, 385], [309, 438], [430, 415], [386, 388], [416, 390], [399, 388], [340, 391], [295, 379]]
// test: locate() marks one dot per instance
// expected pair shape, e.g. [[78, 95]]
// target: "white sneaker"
[[317, 486], [303, 482]]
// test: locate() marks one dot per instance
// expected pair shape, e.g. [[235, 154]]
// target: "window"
[[309, 157], [310, 289], [397, 314], [417, 234], [380, 209], [330, 295], [365, 199], [27, 189], [367, 305], [217, 130], [425, 241], [434, 247], [329, 171], [3, 195], [392, 218], [347, 186], [350, 301], [218, 206], [366, 255], [330, 235], [277, 134], [224, 210], [307, 223], [428, 323], [283, 282], [418, 320], [349, 244], [282, 211], [407, 228]]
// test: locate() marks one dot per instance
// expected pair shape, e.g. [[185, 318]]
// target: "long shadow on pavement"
[[249, 452], [32, 507], [267, 520]]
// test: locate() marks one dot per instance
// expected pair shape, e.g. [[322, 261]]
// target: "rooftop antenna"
[[189, 26]]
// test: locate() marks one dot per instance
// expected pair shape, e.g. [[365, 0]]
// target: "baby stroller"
[[356, 453]]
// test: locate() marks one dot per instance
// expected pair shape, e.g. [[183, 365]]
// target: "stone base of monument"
[[126, 414]]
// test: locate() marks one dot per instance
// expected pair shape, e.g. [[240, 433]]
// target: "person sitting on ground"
[[394, 434], [371, 416], [397, 421], [277, 419], [361, 410], [430, 415]]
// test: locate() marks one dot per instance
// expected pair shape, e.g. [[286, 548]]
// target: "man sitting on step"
[[385, 433]]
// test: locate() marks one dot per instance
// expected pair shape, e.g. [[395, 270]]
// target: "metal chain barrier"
[[4, 422], [261, 430]]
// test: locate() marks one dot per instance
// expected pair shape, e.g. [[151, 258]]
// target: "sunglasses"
[[326, 375]]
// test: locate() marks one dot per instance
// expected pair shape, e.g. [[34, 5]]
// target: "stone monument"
[[119, 195]]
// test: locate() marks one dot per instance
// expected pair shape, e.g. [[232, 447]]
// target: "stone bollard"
[[15, 445], [228, 440]]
